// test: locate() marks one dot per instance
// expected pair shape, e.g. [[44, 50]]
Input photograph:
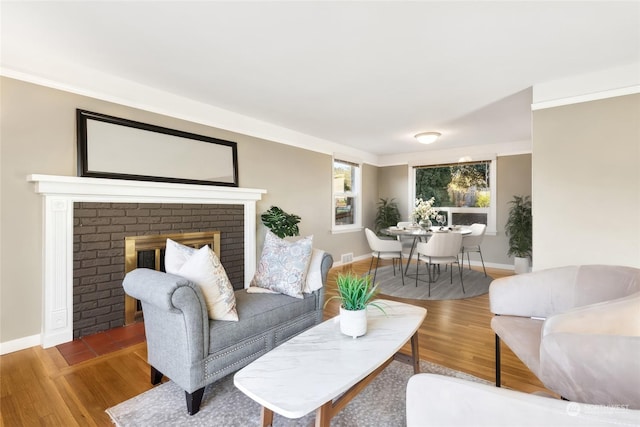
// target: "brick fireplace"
[[62, 195], [99, 230]]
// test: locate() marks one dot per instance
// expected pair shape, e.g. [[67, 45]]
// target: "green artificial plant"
[[387, 214], [281, 223], [355, 292], [519, 227]]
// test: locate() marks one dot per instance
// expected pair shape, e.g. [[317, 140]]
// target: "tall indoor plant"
[[281, 223], [519, 229], [355, 294], [387, 214]]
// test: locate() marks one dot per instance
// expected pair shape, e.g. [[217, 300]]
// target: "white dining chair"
[[442, 248], [471, 243], [407, 241], [384, 249]]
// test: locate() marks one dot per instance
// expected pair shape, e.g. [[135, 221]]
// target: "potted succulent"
[[519, 229], [355, 294], [387, 214], [281, 223]]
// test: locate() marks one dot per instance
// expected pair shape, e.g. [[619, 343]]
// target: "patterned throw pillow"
[[204, 269], [283, 265]]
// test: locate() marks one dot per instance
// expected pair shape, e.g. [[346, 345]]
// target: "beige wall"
[[586, 183], [38, 136], [514, 178], [392, 184]]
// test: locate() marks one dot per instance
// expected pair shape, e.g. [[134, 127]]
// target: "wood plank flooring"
[[39, 388]]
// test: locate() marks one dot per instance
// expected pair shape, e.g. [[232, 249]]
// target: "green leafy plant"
[[519, 227], [281, 223], [387, 214], [355, 292]]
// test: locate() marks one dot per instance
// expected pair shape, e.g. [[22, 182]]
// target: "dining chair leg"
[[370, 265], [482, 259], [376, 270], [401, 273], [417, 271], [460, 269], [429, 272]]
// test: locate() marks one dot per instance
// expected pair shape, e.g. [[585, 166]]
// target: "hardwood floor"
[[38, 387]]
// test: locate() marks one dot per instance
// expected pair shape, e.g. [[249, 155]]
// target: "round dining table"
[[421, 234]]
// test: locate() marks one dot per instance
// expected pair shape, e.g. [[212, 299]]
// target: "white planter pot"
[[353, 323], [521, 265]]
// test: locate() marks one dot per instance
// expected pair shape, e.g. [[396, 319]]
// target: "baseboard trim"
[[19, 344]]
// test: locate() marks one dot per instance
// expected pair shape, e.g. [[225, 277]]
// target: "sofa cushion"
[[257, 313]]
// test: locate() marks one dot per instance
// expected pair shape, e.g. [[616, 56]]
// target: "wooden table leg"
[[324, 414], [267, 417], [415, 353]]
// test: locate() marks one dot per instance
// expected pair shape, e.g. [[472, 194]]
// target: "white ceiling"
[[368, 75]]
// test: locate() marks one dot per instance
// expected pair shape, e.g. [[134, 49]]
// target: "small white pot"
[[353, 323], [521, 265]]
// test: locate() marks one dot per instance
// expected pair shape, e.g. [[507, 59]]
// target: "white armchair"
[[576, 328]]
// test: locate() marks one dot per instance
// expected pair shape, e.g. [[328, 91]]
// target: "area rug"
[[381, 403], [475, 283]]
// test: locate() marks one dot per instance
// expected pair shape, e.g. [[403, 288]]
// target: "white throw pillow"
[[283, 265], [314, 273], [175, 255], [204, 269]]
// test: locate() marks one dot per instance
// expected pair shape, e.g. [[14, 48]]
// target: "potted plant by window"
[[387, 214], [519, 230], [281, 223], [355, 294]]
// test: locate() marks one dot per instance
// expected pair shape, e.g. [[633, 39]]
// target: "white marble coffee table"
[[312, 369]]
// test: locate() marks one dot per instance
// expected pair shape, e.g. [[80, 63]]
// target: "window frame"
[[355, 193], [491, 211]]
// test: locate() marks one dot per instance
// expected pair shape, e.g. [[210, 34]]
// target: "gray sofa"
[[193, 351], [577, 328]]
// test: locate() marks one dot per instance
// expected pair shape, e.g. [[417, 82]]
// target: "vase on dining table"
[[425, 224]]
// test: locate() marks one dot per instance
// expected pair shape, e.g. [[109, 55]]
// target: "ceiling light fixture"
[[428, 137]]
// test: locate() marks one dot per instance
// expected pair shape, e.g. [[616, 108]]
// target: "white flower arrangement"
[[424, 210]]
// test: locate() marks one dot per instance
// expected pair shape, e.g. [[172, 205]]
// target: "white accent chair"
[[442, 248], [576, 328], [436, 400], [384, 249], [471, 243]]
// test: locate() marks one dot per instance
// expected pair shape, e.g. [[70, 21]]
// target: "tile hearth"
[[101, 343]]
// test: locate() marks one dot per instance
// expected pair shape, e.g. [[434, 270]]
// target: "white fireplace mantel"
[[60, 192]]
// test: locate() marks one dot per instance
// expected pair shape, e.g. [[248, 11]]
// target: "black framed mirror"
[[112, 147]]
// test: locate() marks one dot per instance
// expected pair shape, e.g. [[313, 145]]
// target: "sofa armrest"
[[175, 312], [537, 294], [556, 290], [154, 287], [615, 317]]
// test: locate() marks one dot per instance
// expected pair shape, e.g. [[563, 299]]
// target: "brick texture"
[[98, 251]]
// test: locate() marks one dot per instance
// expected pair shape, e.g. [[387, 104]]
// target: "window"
[[463, 192], [346, 196]]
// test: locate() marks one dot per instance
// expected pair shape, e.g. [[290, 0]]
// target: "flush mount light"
[[427, 137]]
